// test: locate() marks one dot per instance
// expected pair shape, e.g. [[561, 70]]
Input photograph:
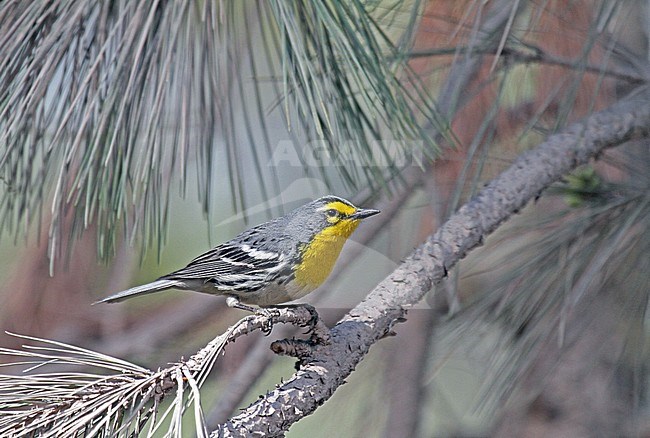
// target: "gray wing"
[[233, 266]]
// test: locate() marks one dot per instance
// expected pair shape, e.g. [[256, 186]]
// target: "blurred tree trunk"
[[579, 389], [56, 307], [407, 361], [405, 373]]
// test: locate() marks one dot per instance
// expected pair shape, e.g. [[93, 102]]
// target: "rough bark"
[[386, 305]]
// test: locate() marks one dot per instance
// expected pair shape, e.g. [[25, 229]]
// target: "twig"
[[538, 56]]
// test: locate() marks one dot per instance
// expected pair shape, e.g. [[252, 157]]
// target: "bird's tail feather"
[[154, 286]]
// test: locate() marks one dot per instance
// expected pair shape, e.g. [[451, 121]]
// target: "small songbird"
[[275, 262]]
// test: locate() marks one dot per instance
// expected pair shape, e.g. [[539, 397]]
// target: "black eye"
[[332, 213]]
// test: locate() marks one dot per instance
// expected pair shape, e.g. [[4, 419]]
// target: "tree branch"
[[386, 305], [535, 56], [66, 404]]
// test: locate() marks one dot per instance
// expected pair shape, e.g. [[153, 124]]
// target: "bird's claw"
[[267, 324], [313, 320]]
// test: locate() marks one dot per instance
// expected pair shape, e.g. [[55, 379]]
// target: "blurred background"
[[137, 135]]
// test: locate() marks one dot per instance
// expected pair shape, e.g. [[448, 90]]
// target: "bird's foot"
[[316, 328], [319, 332], [314, 316]]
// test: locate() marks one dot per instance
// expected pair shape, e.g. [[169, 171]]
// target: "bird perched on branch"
[[275, 262]]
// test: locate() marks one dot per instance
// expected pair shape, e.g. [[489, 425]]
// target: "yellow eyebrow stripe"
[[340, 207]]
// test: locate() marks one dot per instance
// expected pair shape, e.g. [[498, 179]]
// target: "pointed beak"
[[364, 213]]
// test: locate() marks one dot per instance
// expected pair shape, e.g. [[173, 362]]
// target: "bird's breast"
[[318, 259]]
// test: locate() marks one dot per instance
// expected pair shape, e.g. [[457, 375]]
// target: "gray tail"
[[155, 286]]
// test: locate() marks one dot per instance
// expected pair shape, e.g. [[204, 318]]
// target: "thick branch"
[[386, 305]]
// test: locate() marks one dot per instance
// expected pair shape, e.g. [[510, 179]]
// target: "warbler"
[[275, 262]]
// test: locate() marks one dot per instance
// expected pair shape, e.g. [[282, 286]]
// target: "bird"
[[273, 263]]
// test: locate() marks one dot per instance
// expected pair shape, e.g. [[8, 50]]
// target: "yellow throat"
[[320, 254]]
